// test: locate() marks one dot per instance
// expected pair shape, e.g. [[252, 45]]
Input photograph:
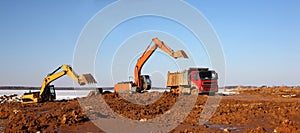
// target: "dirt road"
[[253, 110]]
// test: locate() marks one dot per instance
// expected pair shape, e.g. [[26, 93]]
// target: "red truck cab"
[[204, 80], [193, 80]]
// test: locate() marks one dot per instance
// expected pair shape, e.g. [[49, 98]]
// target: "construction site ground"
[[265, 109]]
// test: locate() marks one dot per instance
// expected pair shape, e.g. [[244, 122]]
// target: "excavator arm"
[[164, 47], [148, 52]]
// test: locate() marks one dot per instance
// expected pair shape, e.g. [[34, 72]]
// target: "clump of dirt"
[[4, 114], [9, 108]]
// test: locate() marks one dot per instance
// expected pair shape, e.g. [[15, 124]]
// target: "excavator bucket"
[[180, 54], [86, 79]]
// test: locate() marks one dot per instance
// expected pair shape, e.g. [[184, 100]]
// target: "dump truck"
[[193, 81], [47, 91], [143, 82]]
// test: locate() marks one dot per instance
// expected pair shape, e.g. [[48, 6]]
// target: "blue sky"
[[259, 38]]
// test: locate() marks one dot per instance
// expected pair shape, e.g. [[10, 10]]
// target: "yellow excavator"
[[143, 82], [47, 91]]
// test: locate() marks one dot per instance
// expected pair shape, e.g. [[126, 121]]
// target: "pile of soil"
[[273, 92], [139, 111], [9, 98], [253, 110], [48, 116]]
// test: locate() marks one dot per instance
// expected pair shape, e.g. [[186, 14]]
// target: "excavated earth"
[[252, 110]]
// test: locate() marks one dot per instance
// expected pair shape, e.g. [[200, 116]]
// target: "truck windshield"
[[208, 75]]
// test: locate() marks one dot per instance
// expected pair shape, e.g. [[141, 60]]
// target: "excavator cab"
[[131, 86], [146, 82], [49, 93], [52, 92]]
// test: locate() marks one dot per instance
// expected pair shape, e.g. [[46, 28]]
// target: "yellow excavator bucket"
[[180, 54], [86, 79]]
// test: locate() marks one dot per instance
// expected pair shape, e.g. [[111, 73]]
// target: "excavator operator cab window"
[[52, 90], [148, 80]]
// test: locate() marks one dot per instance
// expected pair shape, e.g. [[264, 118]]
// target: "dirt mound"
[[9, 98], [139, 111], [282, 91], [254, 110], [43, 116]]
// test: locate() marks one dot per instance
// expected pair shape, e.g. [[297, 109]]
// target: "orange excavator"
[[143, 82]]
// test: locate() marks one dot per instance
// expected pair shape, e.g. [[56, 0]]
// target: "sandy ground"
[[252, 110]]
